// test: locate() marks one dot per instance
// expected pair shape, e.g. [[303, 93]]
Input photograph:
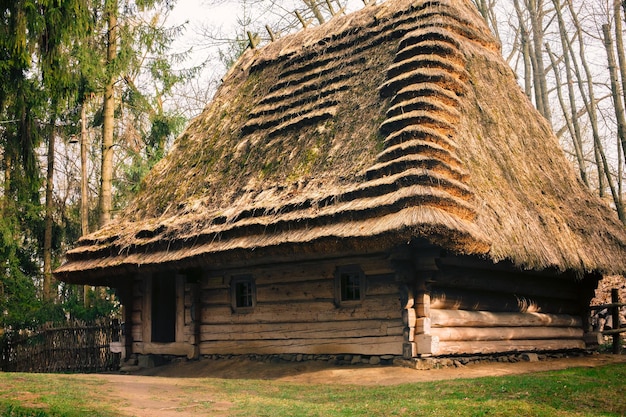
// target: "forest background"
[[94, 92]]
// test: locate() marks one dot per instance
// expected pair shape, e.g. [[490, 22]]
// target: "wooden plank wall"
[[475, 310], [295, 312], [137, 307]]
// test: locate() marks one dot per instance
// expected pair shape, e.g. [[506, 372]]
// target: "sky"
[[222, 15], [199, 13]]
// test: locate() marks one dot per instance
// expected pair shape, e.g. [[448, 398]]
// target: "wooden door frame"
[[180, 346]]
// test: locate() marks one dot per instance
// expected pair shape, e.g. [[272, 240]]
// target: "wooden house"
[[377, 185]]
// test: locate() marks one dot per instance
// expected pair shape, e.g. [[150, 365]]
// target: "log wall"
[[475, 310], [415, 304], [295, 312]]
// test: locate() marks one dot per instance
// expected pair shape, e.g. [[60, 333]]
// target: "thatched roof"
[[397, 122]]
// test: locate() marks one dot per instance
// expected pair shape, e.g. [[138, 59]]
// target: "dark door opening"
[[163, 308]]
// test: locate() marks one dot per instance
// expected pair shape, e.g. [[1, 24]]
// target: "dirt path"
[[176, 390], [161, 397]]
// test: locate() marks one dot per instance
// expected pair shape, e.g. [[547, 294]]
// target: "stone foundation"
[[136, 362]]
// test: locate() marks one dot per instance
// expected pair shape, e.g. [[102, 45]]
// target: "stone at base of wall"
[[425, 362], [136, 362], [461, 361]]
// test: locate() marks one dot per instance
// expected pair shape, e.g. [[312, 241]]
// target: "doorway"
[[163, 308]]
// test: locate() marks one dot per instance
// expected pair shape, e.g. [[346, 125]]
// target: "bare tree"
[[487, 9], [536, 12], [526, 51], [571, 123]]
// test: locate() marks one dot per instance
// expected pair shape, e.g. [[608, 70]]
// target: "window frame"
[[236, 281], [340, 285]]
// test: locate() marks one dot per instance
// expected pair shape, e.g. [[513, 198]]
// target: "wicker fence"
[[72, 347]]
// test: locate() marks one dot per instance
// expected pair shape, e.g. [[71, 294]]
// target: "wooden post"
[[617, 339], [269, 31], [253, 39], [301, 19], [331, 9]]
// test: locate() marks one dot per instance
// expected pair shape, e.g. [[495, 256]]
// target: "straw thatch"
[[394, 123]]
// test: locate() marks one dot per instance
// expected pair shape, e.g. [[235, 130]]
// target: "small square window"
[[243, 293], [349, 285]]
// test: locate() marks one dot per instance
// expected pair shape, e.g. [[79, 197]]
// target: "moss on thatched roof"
[[398, 122]]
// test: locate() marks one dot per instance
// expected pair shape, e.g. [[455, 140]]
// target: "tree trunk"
[[48, 288], [590, 104], [84, 180], [621, 58], [617, 98], [536, 13], [567, 50], [618, 104], [105, 202], [8, 165], [312, 5], [84, 188], [525, 43], [577, 138], [568, 121]]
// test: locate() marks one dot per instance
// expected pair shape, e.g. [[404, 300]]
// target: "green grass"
[[51, 395], [597, 391]]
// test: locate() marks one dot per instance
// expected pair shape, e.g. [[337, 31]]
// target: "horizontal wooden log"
[[389, 345], [506, 333], [472, 262], [137, 303], [502, 346], [277, 273], [507, 282], [303, 330], [386, 307], [610, 305], [422, 304], [136, 317], [426, 344], [264, 275], [136, 333], [382, 285], [459, 318], [177, 348], [215, 296], [311, 289], [301, 291], [614, 331], [210, 281], [458, 299], [423, 325]]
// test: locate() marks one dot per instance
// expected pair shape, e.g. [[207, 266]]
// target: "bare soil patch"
[[318, 372], [176, 389]]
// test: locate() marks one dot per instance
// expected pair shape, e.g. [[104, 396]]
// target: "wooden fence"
[[73, 347], [616, 325]]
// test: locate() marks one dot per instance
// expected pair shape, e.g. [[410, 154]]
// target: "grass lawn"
[[597, 391]]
